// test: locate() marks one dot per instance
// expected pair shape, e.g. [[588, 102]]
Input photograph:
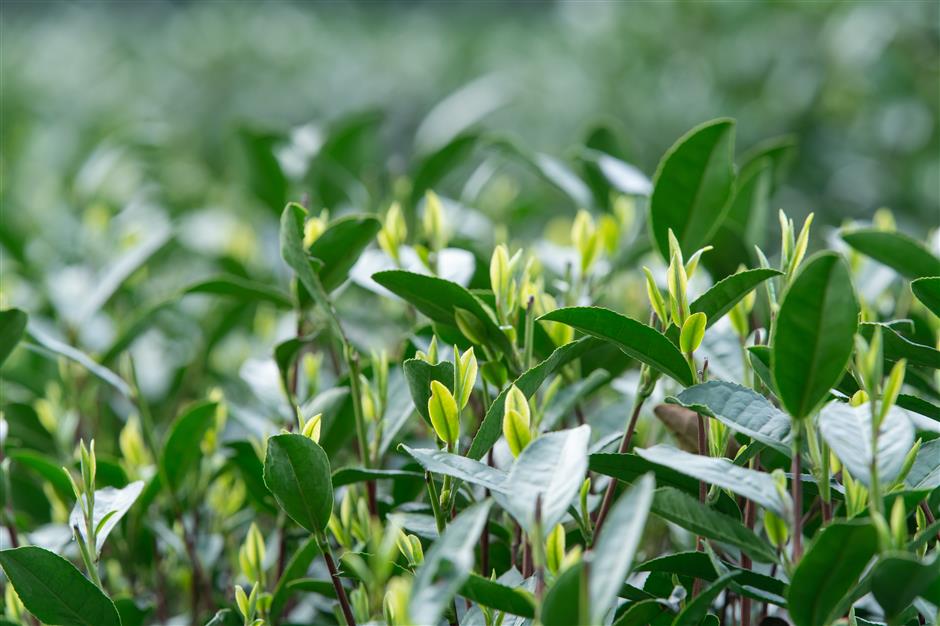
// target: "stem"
[[797, 492], [327, 551], [702, 493], [529, 332], [435, 503], [642, 395], [875, 487]]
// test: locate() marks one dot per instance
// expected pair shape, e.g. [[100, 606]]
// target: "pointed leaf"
[[692, 186], [55, 591], [635, 338], [815, 333], [241, 289], [297, 471], [723, 295], [110, 506], [695, 611], [742, 409], [489, 593], [340, 245], [616, 546], [459, 467], [927, 291], [751, 484], [898, 579], [447, 565], [829, 570], [925, 473], [181, 451], [12, 327], [902, 253]]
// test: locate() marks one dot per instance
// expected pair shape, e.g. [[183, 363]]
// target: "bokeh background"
[[175, 132]]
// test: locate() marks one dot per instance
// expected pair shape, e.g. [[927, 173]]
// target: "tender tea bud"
[[655, 297], [134, 450], [314, 227], [692, 264], [410, 547], [471, 327], [787, 241], [898, 524], [241, 601], [608, 232], [516, 401], [431, 355], [394, 231], [555, 548], [311, 427], [869, 361], [585, 238], [693, 331], [434, 223], [858, 398], [445, 417], [677, 281], [776, 529], [908, 462], [624, 208], [892, 388], [359, 603], [516, 430], [465, 376], [501, 280], [799, 249], [395, 605], [884, 220], [251, 555]]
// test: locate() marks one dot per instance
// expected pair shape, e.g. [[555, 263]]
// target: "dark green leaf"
[[340, 245], [351, 475], [12, 327], [925, 473], [742, 409], [695, 611], [616, 546], [815, 333], [897, 347], [54, 591], [635, 338], [723, 295], [829, 570], [265, 176], [692, 186], [686, 511], [419, 375], [182, 451], [898, 579], [241, 289], [447, 565], [562, 603], [497, 596], [439, 299], [645, 613], [433, 168], [905, 255], [927, 291], [297, 471]]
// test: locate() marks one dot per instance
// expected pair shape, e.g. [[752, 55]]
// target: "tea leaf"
[[815, 333], [241, 289], [447, 565], [829, 570], [635, 338], [692, 187], [898, 579], [110, 506], [12, 327], [516, 601], [181, 451], [340, 245], [297, 471], [927, 291], [54, 591], [905, 255], [723, 295]]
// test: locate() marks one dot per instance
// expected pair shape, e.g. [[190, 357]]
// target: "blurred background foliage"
[[148, 145]]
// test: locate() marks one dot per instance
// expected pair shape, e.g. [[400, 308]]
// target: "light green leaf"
[[905, 255], [748, 483], [447, 565], [847, 430], [616, 546], [815, 333], [692, 187], [551, 467], [635, 338], [297, 471], [742, 409], [686, 511], [111, 505], [181, 451], [55, 591], [829, 570]]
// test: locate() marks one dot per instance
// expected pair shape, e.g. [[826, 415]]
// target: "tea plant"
[[744, 434]]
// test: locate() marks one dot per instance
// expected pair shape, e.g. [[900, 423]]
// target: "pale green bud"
[[431, 356], [465, 375], [251, 555], [677, 281], [655, 297], [908, 462], [311, 427], [134, 450], [608, 232], [776, 529], [899, 523], [516, 401], [445, 417], [314, 227], [516, 430], [394, 231], [555, 548], [395, 605], [892, 388], [434, 223], [585, 238], [693, 331], [799, 249], [692, 264]]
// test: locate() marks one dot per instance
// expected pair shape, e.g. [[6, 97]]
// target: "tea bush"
[[655, 414]]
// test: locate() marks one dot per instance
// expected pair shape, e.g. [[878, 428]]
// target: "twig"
[[334, 577]]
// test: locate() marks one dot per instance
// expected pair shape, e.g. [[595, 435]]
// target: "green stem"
[[324, 545], [797, 491], [435, 503]]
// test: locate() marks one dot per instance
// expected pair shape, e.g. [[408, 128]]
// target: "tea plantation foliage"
[[678, 406]]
